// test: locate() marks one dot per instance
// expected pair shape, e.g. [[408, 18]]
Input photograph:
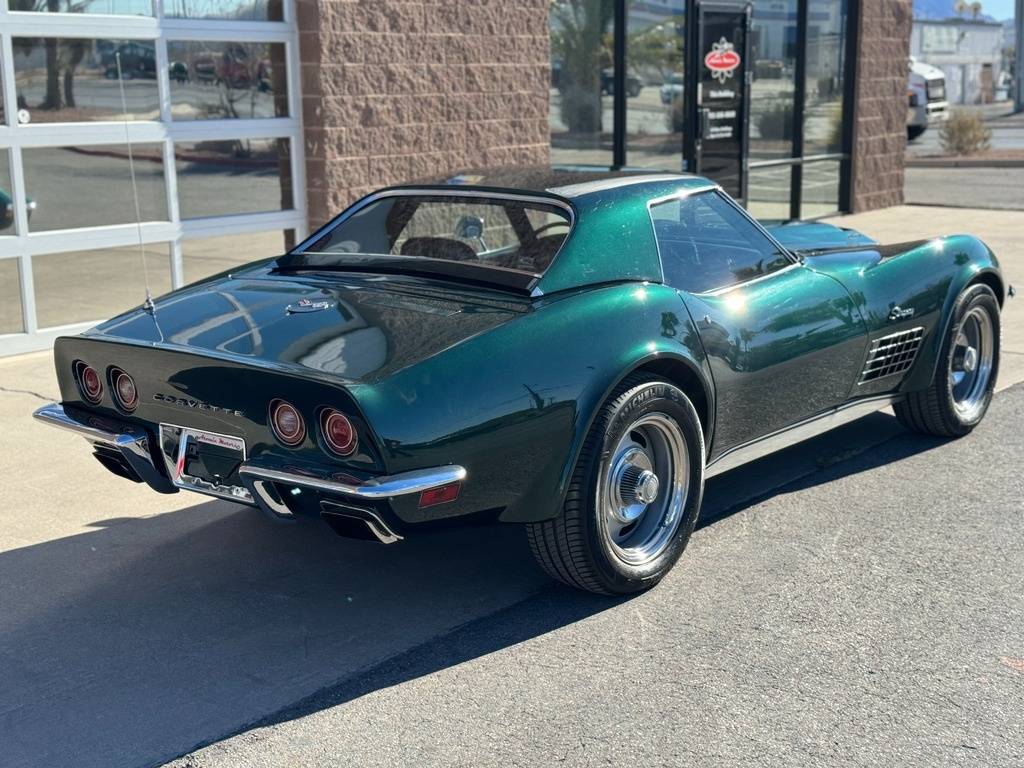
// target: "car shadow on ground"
[[147, 637]]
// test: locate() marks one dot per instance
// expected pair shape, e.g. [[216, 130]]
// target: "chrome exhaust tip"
[[357, 523]]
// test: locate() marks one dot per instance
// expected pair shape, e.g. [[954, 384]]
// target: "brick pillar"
[[396, 90], [880, 112]]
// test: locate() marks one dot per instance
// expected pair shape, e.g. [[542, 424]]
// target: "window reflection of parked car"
[[138, 60], [204, 69], [633, 83], [178, 72], [7, 209], [769, 69], [265, 76], [672, 89], [234, 68]]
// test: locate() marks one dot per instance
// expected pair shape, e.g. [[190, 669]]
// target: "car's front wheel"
[[961, 389], [634, 496]]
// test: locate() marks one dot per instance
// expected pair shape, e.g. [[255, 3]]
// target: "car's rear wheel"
[[634, 496], [961, 389]]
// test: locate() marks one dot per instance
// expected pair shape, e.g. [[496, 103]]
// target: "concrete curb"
[[962, 162]]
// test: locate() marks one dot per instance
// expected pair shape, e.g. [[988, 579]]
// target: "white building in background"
[[968, 51]]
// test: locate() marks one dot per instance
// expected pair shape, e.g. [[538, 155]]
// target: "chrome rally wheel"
[[635, 493], [970, 365], [963, 380], [643, 489]]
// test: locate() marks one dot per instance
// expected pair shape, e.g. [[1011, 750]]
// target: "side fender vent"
[[892, 354]]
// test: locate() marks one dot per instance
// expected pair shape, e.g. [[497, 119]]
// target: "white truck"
[[926, 89]]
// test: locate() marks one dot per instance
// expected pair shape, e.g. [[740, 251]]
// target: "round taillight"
[[90, 383], [338, 432], [125, 393], [287, 423]]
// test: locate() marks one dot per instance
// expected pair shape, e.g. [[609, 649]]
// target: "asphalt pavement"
[[853, 600], [868, 613], [990, 187]]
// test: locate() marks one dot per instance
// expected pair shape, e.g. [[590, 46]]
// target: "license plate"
[[203, 461]]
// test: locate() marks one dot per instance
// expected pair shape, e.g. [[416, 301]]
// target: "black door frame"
[[691, 88], [692, 61]]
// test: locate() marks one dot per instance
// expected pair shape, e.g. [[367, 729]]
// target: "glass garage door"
[[188, 108]]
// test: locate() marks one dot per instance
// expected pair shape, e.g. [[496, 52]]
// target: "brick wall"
[[395, 90], [880, 123]]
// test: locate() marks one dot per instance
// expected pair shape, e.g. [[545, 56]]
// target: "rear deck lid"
[[354, 328]]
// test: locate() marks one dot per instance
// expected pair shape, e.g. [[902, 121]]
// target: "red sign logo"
[[722, 60]]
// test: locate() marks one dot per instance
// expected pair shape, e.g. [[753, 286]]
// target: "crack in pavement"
[[14, 391]]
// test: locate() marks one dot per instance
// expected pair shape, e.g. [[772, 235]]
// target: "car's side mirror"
[[470, 228]]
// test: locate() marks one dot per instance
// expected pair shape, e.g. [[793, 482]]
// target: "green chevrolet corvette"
[[574, 352]]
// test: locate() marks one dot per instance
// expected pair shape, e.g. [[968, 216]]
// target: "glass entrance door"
[[721, 93]]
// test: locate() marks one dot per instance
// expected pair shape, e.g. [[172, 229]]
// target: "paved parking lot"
[[856, 600]]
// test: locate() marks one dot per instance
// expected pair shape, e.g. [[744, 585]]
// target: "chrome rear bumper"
[[385, 487], [266, 483], [133, 443]]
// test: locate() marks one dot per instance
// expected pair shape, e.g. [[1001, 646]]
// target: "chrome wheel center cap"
[[646, 489], [635, 486], [970, 359]]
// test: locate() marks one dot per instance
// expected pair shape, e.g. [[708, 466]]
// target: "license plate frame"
[[181, 439]]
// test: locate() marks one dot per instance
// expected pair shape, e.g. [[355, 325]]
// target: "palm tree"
[[578, 32]]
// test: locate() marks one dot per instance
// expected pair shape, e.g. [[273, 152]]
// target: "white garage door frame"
[[13, 138]]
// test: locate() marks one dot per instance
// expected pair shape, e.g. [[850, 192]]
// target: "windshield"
[[507, 234]]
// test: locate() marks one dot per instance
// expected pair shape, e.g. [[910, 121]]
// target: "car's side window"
[[706, 244]]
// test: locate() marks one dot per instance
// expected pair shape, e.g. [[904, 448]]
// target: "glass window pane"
[[820, 189], [75, 80], [91, 186], [769, 191], [485, 232], [247, 10], [211, 80], [774, 48], [823, 110], [654, 85], [121, 7], [233, 176], [706, 243], [580, 98], [210, 255], [7, 224], [10, 297], [93, 285]]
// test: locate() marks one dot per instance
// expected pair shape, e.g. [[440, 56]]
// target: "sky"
[[998, 9]]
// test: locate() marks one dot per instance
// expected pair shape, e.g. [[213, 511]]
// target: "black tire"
[[915, 131], [933, 411], [571, 547]]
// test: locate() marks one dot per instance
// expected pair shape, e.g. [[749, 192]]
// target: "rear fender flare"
[[663, 356]]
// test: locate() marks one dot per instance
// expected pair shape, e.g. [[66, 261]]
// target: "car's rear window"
[[504, 233]]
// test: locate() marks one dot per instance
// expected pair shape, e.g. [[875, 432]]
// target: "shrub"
[[674, 115], [964, 133], [776, 122]]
